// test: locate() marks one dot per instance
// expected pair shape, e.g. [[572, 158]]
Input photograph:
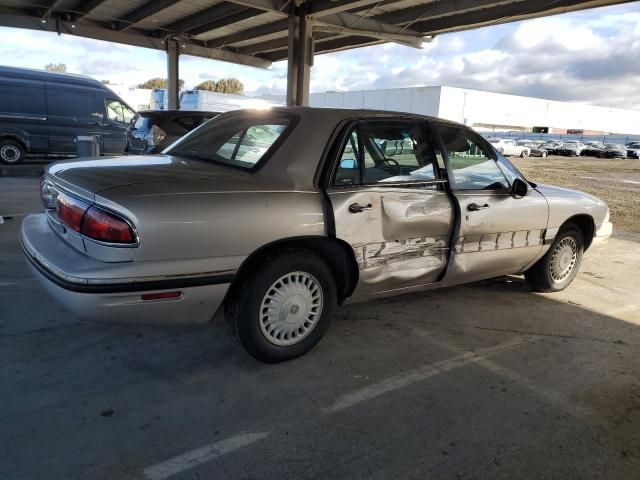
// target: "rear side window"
[[22, 100], [239, 141], [70, 103]]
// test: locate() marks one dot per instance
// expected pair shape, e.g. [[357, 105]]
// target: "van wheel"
[[283, 309], [11, 152], [559, 266]]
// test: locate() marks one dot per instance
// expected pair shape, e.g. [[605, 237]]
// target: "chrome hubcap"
[[9, 153], [291, 308], [563, 259]]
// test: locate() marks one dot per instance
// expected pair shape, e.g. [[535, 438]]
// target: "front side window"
[[474, 168], [118, 112], [240, 142], [386, 152]]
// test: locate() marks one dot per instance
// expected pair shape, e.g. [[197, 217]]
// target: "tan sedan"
[[279, 216]]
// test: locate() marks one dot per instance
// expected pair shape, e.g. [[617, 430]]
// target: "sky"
[[590, 57]]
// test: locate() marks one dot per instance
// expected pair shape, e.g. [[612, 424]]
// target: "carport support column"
[[300, 56], [173, 58]]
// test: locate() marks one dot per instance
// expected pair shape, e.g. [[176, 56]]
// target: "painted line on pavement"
[[418, 375], [193, 458]]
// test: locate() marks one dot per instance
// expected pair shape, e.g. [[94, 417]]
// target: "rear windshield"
[[192, 121], [142, 122], [237, 140]]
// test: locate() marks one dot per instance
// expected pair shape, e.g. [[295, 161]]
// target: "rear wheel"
[[284, 308], [543, 154], [11, 152], [559, 266], [524, 153]]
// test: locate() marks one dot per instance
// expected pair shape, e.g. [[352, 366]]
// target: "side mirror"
[[519, 188], [348, 164]]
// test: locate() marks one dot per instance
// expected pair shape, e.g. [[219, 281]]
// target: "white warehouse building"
[[487, 110]]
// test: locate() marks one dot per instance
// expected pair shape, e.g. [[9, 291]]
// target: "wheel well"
[[338, 255], [15, 139], [586, 225]]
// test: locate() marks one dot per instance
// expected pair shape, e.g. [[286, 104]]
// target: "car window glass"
[[22, 100], [473, 167], [348, 171], [119, 112], [67, 103], [396, 152], [191, 122]]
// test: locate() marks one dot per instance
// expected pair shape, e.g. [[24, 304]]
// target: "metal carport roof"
[[258, 32]]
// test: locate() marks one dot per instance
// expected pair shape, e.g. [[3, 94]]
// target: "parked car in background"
[[571, 149], [42, 113], [535, 149], [508, 147], [151, 131], [633, 150], [552, 148], [593, 150], [614, 150], [279, 216]]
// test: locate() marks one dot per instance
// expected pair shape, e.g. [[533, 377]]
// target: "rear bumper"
[[117, 299]]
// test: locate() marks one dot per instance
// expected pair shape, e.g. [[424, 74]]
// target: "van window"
[[118, 112], [70, 103], [22, 100]]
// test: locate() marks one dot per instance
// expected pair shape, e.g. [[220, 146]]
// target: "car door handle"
[[474, 207], [357, 208]]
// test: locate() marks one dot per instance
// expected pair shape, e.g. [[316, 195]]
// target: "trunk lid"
[[92, 175]]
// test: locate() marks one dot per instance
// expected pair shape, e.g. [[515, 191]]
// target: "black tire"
[[524, 154], [243, 308], [11, 152], [543, 154], [540, 276], [501, 150]]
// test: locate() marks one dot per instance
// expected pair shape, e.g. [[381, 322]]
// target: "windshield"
[[236, 140]]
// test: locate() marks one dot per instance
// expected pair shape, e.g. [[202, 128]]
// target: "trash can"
[[87, 146]]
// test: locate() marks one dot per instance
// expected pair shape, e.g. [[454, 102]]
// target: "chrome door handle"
[[357, 208], [474, 207]]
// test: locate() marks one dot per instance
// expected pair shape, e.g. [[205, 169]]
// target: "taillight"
[[93, 222], [71, 211], [106, 227]]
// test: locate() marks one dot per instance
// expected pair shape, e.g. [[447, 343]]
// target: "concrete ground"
[[483, 381]]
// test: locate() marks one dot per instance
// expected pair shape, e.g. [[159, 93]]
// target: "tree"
[[158, 82], [224, 85], [55, 67]]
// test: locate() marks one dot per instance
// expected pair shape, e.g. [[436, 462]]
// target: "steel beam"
[[16, 18], [173, 75], [145, 11], [300, 58], [84, 7], [219, 10], [223, 22]]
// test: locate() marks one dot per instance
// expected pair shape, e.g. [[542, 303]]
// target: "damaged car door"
[[500, 231], [390, 204]]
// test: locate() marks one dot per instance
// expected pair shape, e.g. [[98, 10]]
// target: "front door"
[[114, 127], [390, 205], [498, 233]]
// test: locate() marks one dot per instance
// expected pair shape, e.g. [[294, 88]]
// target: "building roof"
[[255, 32]]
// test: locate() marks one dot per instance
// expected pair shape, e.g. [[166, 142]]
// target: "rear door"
[[498, 233], [71, 111], [390, 205]]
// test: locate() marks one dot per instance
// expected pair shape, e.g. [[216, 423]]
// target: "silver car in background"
[[279, 216]]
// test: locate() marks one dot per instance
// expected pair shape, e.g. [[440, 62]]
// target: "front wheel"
[[559, 266], [524, 154], [11, 152], [283, 309]]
